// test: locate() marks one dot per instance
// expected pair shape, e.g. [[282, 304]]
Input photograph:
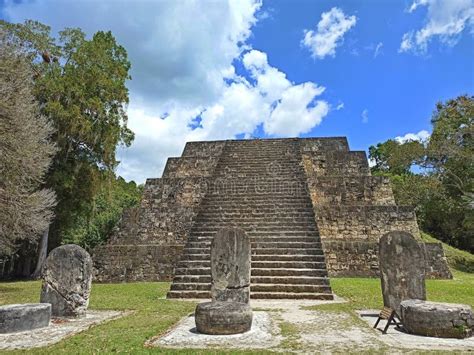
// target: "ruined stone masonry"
[[309, 206]]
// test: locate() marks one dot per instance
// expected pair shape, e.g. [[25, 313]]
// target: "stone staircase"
[[260, 187]]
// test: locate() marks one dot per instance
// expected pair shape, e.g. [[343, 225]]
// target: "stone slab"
[[184, 335], [442, 320], [22, 317], [58, 330], [402, 269], [399, 339]]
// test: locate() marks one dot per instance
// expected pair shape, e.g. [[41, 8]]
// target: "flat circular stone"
[[223, 318], [441, 320], [22, 317]]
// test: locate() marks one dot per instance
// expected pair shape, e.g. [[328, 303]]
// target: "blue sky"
[[202, 70]]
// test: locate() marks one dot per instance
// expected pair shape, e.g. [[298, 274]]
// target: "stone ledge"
[[23, 317]]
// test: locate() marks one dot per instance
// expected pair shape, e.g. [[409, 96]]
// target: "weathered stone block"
[[402, 269], [442, 320], [230, 266], [22, 317], [223, 318], [67, 278]]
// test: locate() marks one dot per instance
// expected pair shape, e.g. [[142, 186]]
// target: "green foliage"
[[395, 157], [107, 208], [457, 259], [80, 84], [442, 189]]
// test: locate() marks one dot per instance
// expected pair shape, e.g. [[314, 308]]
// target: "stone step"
[[206, 279], [263, 218], [261, 245], [265, 239], [214, 228], [264, 234], [297, 288], [182, 286], [254, 295], [291, 257], [188, 294], [263, 251], [255, 257], [259, 264], [291, 295], [220, 198], [206, 271]]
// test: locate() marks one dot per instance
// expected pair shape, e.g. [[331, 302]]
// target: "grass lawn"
[[154, 314]]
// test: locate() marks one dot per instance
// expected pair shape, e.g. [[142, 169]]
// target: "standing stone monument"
[[402, 269], [229, 312], [230, 266], [67, 278]]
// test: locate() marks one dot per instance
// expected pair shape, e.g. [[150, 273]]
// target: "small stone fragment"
[[67, 278], [22, 317]]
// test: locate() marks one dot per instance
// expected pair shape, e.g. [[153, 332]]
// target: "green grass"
[[153, 315], [365, 293], [457, 259]]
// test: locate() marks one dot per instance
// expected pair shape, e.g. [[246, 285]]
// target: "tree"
[[442, 189], [80, 84], [396, 157], [26, 153]]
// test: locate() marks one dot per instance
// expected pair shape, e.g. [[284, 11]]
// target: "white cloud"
[[295, 113], [365, 116], [421, 136], [179, 50], [184, 86], [280, 106], [329, 33], [378, 49], [340, 106], [445, 20]]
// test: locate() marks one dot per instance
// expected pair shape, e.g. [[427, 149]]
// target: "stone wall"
[[336, 163], [120, 263], [364, 222], [203, 149], [350, 190], [150, 238], [346, 258]]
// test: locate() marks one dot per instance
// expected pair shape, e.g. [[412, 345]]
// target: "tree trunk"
[[42, 253]]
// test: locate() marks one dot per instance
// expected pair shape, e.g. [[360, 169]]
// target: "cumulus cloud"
[[421, 136], [270, 101], [329, 33], [184, 84], [445, 20], [179, 50]]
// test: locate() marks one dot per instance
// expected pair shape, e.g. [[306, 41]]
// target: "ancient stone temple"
[[309, 205]]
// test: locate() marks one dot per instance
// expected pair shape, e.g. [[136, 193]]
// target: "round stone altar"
[[223, 318], [441, 320]]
